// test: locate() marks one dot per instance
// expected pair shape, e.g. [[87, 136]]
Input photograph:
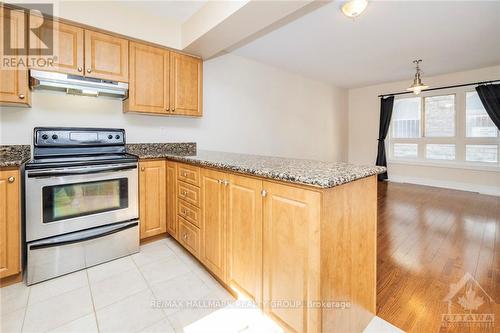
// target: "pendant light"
[[417, 85], [353, 8]]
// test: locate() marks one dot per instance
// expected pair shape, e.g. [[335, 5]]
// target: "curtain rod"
[[439, 88]]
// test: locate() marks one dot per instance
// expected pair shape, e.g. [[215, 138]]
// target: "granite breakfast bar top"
[[299, 171], [14, 155]]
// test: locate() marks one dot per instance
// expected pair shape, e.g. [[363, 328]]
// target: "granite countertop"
[[299, 171], [14, 155]]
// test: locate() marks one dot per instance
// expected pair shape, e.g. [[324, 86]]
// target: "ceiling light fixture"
[[353, 8], [417, 85]]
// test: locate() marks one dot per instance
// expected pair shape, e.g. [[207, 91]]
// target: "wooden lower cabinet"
[[244, 237], [152, 198], [213, 249], [286, 247], [291, 256], [10, 262], [172, 227]]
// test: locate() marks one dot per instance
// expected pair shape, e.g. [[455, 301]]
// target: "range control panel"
[[78, 136]]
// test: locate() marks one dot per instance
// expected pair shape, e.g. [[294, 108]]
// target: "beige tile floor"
[[131, 294]]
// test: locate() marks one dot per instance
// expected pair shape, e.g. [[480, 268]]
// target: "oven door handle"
[[81, 236], [78, 171]]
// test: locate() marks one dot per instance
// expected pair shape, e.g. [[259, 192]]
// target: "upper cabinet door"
[[106, 57], [68, 46], [185, 85], [149, 86], [14, 88]]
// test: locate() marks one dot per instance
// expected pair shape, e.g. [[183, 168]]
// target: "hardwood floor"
[[428, 238]]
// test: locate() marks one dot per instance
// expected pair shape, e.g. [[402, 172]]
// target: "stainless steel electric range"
[[81, 200]]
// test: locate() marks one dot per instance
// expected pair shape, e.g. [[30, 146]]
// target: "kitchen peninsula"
[[271, 229]]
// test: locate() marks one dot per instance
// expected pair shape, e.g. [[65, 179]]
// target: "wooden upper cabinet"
[[10, 223], [106, 56], [149, 84], [244, 237], [14, 89], [186, 85], [68, 46], [172, 227], [152, 198], [291, 269], [213, 249]]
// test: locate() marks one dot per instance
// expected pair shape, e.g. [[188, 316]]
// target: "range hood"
[[77, 85]]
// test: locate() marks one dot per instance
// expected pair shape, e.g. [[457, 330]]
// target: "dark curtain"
[[386, 105], [490, 97]]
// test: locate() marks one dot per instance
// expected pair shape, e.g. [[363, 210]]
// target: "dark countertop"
[[298, 171], [14, 155]]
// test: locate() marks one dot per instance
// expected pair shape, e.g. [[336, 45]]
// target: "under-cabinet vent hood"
[[77, 85]]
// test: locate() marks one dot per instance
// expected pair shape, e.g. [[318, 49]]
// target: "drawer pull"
[[184, 193], [184, 174]]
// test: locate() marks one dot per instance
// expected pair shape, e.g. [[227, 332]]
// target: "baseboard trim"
[[489, 190], [7, 281]]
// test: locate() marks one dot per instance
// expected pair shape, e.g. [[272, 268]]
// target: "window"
[[482, 153], [440, 152], [440, 116], [405, 150], [478, 123], [446, 129], [406, 122]]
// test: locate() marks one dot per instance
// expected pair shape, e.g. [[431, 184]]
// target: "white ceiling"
[[379, 45], [180, 11]]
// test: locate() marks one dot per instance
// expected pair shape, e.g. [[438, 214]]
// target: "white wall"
[[364, 112], [249, 107], [129, 21]]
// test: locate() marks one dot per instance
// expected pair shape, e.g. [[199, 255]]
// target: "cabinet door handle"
[[173, 109], [263, 193], [11, 179], [226, 182], [21, 96], [89, 70], [80, 69], [167, 109], [142, 169]]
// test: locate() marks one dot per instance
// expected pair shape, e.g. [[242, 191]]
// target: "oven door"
[[63, 200]]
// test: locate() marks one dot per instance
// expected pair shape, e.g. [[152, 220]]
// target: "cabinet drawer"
[[189, 212], [189, 236], [189, 174], [189, 193]]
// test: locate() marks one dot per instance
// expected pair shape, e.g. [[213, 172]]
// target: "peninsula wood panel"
[[172, 227], [106, 56], [186, 85], [9, 223], [152, 198], [149, 84], [291, 268], [348, 261], [244, 236], [14, 88], [67, 46], [213, 249]]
